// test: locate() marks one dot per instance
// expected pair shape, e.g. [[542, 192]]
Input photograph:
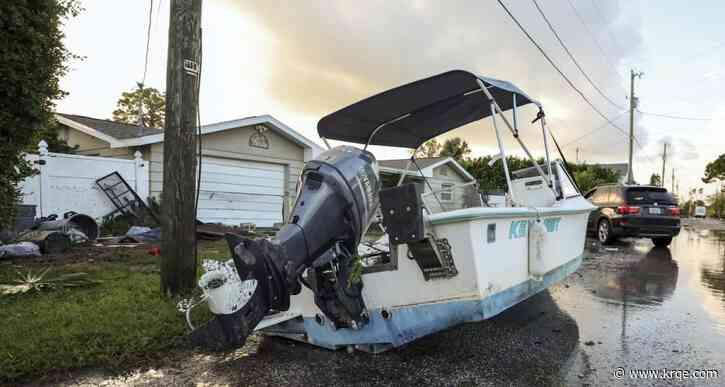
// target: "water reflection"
[[648, 281], [712, 272]]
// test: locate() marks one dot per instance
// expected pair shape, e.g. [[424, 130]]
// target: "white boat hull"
[[498, 264]]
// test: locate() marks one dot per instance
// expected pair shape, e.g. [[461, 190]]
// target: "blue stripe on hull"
[[409, 323]]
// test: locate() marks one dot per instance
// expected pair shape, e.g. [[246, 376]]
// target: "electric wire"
[[148, 43], [606, 26], [675, 117], [573, 59], [612, 64], [596, 41], [620, 115], [553, 64], [145, 68]]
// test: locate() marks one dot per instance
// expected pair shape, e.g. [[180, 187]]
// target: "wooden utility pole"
[[632, 106], [664, 161], [178, 244], [673, 181]]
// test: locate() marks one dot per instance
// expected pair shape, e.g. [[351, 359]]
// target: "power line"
[[148, 42], [612, 63], [573, 59], [606, 25], [674, 117], [551, 62], [596, 41], [620, 115]]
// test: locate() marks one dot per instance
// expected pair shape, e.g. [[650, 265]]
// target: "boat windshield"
[[567, 187]]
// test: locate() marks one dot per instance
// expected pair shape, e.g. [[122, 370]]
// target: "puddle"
[[649, 307]]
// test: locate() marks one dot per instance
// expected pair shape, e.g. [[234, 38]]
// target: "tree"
[[715, 170], [151, 102], [32, 61], [430, 148], [655, 180], [456, 148], [589, 176], [491, 177], [49, 133]]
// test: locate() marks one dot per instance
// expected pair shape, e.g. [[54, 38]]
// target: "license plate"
[[655, 211]]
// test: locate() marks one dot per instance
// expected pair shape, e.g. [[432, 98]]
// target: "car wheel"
[[662, 242], [604, 232]]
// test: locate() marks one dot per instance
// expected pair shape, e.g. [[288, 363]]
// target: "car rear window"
[[649, 196]]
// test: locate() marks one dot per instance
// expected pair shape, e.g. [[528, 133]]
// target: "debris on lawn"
[[45, 280], [124, 198], [248, 227], [52, 235], [225, 293], [72, 222], [24, 219], [50, 242], [20, 249], [142, 234]]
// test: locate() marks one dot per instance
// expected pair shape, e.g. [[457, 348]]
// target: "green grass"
[[121, 323]]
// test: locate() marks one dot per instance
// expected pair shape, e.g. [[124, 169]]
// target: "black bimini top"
[[414, 113]]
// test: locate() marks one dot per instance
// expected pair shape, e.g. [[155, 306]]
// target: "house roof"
[[118, 130], [120, 135], [401, 163], [426, 164]]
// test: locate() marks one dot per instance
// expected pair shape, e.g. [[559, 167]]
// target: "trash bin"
[[24, 219]]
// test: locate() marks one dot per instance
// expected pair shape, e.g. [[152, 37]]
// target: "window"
[[643, 195], [601, 196], [615, 197], [443, 171], [447, 194]]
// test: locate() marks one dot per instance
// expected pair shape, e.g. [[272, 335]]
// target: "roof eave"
[[399, 171], [112, 141], [458, 167], [283, 129]]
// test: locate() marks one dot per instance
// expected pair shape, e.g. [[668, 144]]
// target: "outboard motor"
[[337, 197]]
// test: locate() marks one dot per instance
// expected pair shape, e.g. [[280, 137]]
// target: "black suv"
[[633, 211]]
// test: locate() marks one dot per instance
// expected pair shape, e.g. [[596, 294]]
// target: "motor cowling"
[[336, 199]]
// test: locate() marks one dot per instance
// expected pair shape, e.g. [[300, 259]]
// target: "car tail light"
[[674, 211], [627, 210]]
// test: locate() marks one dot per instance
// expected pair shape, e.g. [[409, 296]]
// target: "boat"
[[435, 267]]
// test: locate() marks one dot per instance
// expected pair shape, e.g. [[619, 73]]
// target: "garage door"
[[235, 191]]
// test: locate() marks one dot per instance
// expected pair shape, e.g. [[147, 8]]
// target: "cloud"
[[323, 56]]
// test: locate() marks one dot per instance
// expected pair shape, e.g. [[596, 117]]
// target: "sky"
[[299, 61]]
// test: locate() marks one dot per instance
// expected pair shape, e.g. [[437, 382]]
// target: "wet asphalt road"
[[649, 308], [630, 305]]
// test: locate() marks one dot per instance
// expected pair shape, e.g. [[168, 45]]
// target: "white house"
[[442, 173], [249, 171]]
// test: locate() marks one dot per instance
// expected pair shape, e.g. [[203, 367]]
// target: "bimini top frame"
[[409, 115], [414, 113]]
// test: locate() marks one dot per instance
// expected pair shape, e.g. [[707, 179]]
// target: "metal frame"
[[495, 108], [515, 133]]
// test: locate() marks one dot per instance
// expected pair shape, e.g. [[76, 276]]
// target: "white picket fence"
[[67, 182]]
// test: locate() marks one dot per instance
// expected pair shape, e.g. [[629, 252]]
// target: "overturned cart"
[[443, 266]]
